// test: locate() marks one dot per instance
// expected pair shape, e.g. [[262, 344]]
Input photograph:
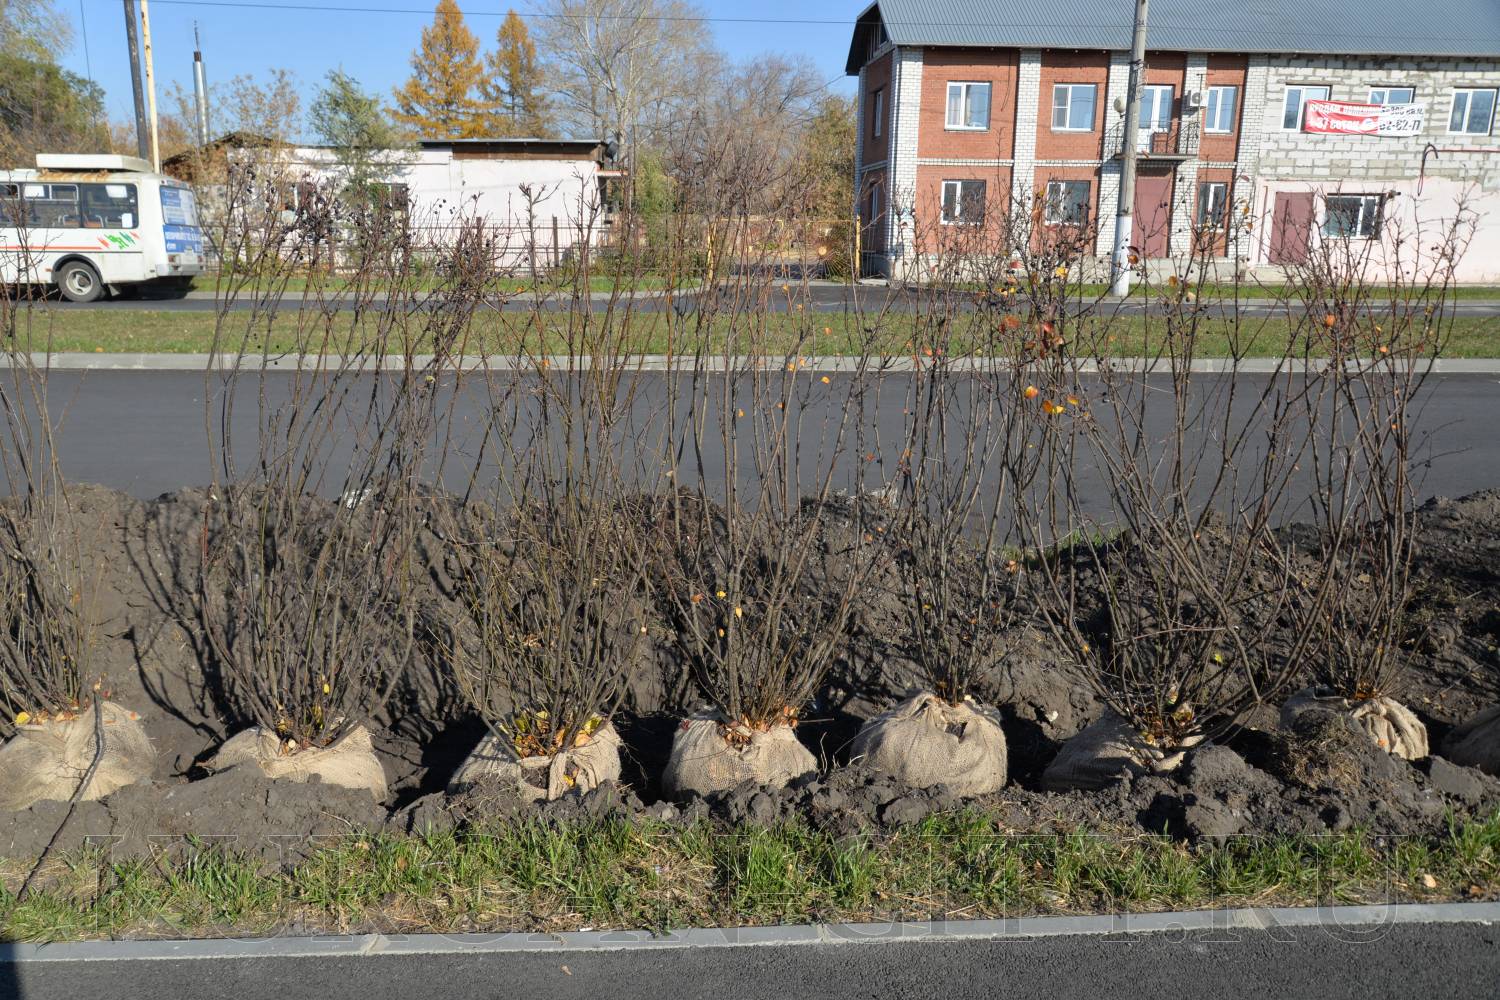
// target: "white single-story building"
[[540, 199]]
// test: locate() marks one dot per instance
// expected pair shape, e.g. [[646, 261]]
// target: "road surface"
[[1290, 955], [146, 432]]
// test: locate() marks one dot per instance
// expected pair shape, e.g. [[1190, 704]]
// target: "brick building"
[[969, 109]]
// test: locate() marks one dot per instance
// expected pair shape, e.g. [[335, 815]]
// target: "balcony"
[[1178, 141]]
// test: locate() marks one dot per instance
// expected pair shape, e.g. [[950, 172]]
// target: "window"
[[1073, 107], [1156, 108], [1296, 96], [1218, 109], [874, 204], [963, 202], [51, 206], [1473, 112], [877, 114], [1067, 203], [1391, 95], [969, 106], [1354, 216], [1212, 199]]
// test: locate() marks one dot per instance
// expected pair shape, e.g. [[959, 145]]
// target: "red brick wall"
[[877, 77], [931, 235], [1225, 71], [1219, 176], [997, 67], [1072, 67]]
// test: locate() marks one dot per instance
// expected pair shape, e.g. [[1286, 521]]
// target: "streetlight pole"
[[1125, 221]]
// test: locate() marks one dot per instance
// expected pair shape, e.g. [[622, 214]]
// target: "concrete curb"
[[1345, 921], [651, 363]]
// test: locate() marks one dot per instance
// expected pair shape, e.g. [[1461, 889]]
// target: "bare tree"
[[625, 68]]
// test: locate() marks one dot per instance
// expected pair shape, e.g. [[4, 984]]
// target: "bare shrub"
[[47, 599], [972, 416], [1380, 312], [1158, 566], [307, 594]]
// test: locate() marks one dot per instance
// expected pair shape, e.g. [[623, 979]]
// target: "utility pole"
[[1125, 221], [200, 87], [150, 83], [132, 42]]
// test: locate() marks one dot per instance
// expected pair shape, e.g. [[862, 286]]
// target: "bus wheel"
[[79, 282]]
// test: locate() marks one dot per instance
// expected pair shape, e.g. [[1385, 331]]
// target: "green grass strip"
[[618, 874]]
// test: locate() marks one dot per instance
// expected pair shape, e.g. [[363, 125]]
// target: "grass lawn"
[[111, 331], [617, 874]]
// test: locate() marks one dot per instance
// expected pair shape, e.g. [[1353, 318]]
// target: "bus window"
[[108, 206], [11, 212], [51, 206]]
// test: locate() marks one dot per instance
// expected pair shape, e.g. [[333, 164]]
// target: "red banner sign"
[[1343, 118]]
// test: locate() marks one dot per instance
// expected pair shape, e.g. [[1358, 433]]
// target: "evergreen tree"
[[515, 83], [443, 99], [353, 123]]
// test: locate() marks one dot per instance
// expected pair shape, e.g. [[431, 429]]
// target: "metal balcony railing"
[[1179, 140]]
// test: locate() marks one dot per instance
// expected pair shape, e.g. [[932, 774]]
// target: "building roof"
[[1374, 27]]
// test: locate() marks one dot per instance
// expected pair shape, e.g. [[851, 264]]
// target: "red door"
[[1153, 214], [1291, 227]]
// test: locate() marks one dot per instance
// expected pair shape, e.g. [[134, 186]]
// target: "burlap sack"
[[45, 761], [1389, 724], [538, 779], [703, 761], [1107, 750], [1476, 743], [924, 742], [349, 763]]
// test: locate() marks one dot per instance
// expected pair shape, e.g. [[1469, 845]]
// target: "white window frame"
[[874, 205], [1367, 223], [1468, 94], [1048, 218], [1385, 93], [1155, 123], [966, 105], [877, 113], [1067, 106], [1302, 99], [958, 202], [1223, 202], [1208, 108]]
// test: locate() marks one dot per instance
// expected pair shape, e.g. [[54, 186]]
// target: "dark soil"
[[1323, 776]]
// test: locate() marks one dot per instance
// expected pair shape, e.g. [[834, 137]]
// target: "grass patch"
[[616, 874], [128, 331]]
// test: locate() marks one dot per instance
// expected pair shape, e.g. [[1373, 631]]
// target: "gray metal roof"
[[1339, 27]]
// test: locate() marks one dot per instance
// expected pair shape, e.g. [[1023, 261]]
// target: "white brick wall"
[[906, 106], [1028, 111], [1110, 171], [1360, 159]]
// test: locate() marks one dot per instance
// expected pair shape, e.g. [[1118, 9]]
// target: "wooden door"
[[1291, 227]]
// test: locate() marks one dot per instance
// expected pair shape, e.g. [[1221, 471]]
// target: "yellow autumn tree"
[[514, 85], [444, 98]]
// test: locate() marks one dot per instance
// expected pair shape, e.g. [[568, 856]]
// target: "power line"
[[846, 22]]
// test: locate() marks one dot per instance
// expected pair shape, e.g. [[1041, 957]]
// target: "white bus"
[[91, 224]]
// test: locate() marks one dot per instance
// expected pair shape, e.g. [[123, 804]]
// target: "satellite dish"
[[1119, 105]]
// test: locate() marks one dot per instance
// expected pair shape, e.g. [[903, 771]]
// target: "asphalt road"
[[147, 432], [1346, 962], [819, 297]]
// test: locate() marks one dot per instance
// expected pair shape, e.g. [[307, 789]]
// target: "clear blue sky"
[[374, 42]]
